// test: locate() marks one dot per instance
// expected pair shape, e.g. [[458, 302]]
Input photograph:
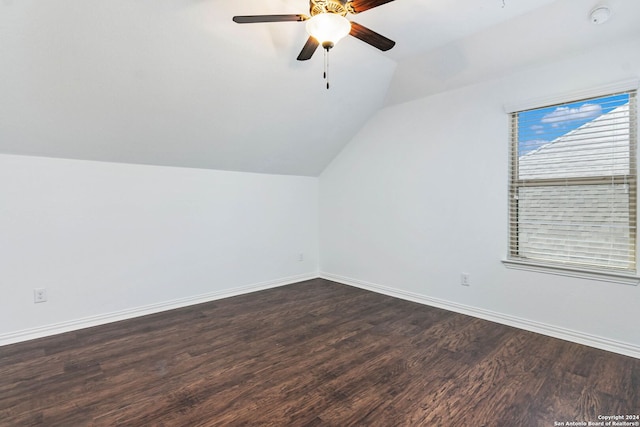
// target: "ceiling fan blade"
[[308, 49], [362, 5], [251, 19], [370, 37]]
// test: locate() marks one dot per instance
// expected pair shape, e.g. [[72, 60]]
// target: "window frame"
[[562, 267]]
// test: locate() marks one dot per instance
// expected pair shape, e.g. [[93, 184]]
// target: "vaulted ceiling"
[[177, 83]]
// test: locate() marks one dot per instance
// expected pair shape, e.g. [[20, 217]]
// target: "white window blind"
[[573, 184]]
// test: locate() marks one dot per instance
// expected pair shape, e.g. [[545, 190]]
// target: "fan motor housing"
[[328, 6]]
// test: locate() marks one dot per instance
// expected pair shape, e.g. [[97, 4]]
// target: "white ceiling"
[[177, 83]]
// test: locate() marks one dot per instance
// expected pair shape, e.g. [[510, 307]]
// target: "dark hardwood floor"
[[313, 353]]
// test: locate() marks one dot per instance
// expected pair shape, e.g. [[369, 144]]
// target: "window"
[[572, 190]]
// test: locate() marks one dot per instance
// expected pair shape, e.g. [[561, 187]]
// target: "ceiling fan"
[[327, 24]]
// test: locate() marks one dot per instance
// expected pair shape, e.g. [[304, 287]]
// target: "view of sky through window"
[[541, 126]]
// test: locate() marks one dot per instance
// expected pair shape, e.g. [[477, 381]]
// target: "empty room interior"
[[218, 212]]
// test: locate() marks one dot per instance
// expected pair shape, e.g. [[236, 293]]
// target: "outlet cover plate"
[[39, 295]]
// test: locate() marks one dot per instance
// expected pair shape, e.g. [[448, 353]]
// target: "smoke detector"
[[600, 15]]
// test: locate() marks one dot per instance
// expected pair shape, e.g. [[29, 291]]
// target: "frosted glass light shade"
[[328, 28]]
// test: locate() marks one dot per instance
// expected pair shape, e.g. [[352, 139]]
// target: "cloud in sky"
[[565, 114], [538, 129], [534, 144]]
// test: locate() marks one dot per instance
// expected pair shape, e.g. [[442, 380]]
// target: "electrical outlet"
[[300, 257], [465, 279], [39, 295]]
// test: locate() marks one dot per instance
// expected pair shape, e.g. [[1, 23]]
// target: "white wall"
[[416, 198], [420, 196], [114, 240]]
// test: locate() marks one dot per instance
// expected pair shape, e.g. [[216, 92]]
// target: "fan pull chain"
[[326, 67]]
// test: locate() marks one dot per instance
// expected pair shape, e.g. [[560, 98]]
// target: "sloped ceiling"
[[177, 83]]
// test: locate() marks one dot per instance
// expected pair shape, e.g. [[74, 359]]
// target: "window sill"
[[622, 278]]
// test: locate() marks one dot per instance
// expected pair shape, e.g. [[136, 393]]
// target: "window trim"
[[529, 104], [582, 273], [622, 277]]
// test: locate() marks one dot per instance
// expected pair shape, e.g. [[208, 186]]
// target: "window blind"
[[573, 184]]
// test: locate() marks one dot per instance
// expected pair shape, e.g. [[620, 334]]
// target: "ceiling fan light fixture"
[[328, 28]]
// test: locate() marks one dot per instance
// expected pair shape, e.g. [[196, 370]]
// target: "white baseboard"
[[101, 319], [517, 322]]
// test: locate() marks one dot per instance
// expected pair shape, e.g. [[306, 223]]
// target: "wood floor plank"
[[315, 353]]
